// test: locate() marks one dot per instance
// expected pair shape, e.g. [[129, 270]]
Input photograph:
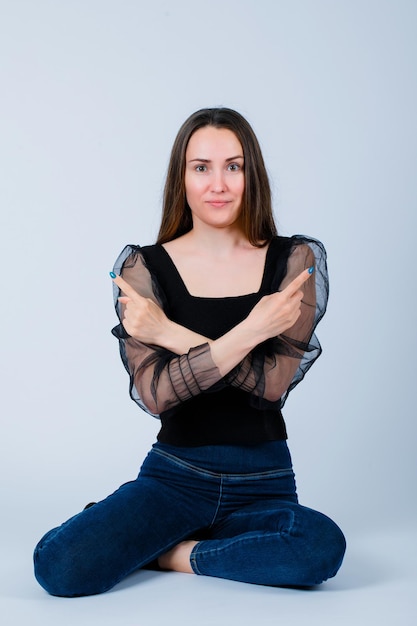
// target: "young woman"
[[217, 324]]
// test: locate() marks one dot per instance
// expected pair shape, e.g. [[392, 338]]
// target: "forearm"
[[267, 376], [164, 381], [192, 370], [233, 347], [179, 339], [226, 351], [231, 350]]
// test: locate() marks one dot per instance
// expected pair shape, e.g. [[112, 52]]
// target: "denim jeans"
[[239, 502]]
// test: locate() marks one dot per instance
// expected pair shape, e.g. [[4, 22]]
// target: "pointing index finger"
[[299, 281], [124, 286]]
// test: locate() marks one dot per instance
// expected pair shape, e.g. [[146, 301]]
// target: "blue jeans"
[[240, 502]]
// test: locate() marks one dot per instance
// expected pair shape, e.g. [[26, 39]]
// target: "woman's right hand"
[[143, 319], [275, 313]]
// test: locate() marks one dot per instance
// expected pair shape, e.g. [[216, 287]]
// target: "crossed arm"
[[198, 362]]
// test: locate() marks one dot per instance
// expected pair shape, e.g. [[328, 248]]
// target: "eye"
[[234, 167], [201, 168]]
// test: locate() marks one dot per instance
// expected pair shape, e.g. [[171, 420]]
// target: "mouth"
[[218, 204]]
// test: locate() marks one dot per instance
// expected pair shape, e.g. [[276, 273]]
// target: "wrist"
[[233, 347], [168, 335], [179, 339], [251, 335]]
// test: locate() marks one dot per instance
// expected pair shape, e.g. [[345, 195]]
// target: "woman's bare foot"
[[178, 559]]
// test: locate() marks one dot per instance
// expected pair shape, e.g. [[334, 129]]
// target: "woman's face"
[[214, 176]]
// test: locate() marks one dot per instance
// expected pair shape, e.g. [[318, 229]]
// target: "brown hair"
[[256, 216]]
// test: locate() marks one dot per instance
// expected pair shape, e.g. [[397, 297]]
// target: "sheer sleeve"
[[275, 367], [159, 379]]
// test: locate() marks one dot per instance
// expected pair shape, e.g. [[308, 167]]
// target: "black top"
[[195, 404]]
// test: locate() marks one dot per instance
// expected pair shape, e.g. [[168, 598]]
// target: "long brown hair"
[[256, 215]]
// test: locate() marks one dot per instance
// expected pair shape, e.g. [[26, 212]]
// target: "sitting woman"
[[217, 326]]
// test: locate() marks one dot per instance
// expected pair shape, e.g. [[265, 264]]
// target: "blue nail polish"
[[311, 269], [112, 275]]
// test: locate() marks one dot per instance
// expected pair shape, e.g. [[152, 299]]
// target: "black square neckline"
[[181, 283]]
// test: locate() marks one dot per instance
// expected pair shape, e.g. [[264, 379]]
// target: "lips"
[[218, 204]]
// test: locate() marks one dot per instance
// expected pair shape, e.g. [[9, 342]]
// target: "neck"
[[216, 241]]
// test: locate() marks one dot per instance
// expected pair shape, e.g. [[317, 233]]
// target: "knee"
[[337, 549], [325, 550], [59, 569], [51, 568]]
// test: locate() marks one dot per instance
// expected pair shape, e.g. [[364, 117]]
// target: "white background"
[[92, 94]]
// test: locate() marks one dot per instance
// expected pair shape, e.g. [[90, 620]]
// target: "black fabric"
[[211, 317], [195, 404]]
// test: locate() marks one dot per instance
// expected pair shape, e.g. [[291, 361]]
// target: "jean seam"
[[238, 539], [218, 502], [261, 475], [185, 464], [193, 561], [244, 476]]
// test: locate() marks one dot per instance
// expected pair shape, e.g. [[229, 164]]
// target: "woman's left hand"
[[143, 319]]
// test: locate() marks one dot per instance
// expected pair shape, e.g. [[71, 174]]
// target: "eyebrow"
[[233, 158]]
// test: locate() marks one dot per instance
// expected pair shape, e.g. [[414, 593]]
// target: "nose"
[[218, 181]]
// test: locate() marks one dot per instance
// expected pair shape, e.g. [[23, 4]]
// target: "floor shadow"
[[363, 569], [360, 569], [139, 577]]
